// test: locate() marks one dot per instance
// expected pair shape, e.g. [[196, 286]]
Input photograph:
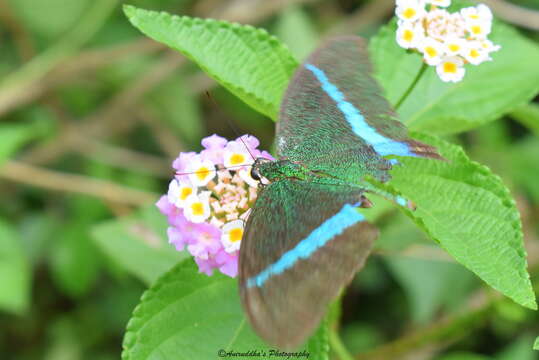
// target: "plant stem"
[[447, 330], [15, 86], [411, 87], [22, 173], [337, 346]]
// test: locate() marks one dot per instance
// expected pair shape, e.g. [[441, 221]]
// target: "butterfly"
[[304, 239]]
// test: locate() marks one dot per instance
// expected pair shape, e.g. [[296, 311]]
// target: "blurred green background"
[[92, 114]]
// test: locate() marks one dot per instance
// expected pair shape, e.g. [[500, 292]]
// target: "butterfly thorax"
[[279, 170], [267, 171]]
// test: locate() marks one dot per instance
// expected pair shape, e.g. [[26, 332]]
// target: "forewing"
[[334, 117], [302, 243]]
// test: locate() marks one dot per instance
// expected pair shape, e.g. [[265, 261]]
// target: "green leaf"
[[469, 211], [249, 62], [74, 260], [487, 92], [176, 105], [523, 160], [518, 349], [49, 18], [15, 271], [139, 244], [296, 30], [11, 138], [536, 344], [464, 356], [528, 115], [425, 283], [188, 315]]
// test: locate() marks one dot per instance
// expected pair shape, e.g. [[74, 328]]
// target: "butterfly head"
[[258, 170]]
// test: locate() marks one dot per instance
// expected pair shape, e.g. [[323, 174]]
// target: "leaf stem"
[[337, 346], [411, 87]]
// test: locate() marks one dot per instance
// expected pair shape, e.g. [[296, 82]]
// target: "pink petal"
[[182, 160], [214, 141]]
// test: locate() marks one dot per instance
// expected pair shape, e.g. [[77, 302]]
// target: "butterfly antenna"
[[206, 171], [234, 129]]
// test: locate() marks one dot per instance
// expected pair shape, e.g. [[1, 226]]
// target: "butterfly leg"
[[397, 199]]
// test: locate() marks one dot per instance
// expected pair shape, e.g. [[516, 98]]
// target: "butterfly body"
[[284, 169], [304, 239]]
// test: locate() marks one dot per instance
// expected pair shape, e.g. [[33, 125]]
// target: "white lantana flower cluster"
[[446, 40]]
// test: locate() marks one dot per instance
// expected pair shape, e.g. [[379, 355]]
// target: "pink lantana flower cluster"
[[208, 201]]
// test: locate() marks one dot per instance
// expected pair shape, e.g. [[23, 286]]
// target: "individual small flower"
[[227, 263], [207, 241], [206, 266], [475, 54], [200, 172], [178, 192], [450, 69], [177, 238], [479, 29], [231, 236], [174, 214], [433, 51], [454, 46], [185, 158], [441, 3], [197, 207], [410, 10], [489, 46], [409, 35], [236, 155], [480, 12], [213, 148]]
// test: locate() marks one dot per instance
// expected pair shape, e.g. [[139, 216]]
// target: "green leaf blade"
[[469, 211], [249, 62], [15, 271], [188, 315], [139, 244], [12, 137]]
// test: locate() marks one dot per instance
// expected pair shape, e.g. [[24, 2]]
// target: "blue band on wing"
[[330, 228], [401, 201], [381, 144]]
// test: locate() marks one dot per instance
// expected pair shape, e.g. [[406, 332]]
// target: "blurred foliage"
[[83, 92]]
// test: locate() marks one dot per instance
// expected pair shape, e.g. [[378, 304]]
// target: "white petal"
[[457, 71], [245, 175], [201, 172], [229, 245]]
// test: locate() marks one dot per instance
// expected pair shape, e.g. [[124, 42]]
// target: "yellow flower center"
[[431, 51], [454, 47], [474, 53], [235, 234], [237, 159], [197, 208], [408, 35], [185, 193], [202, 173], [473, 16], [409, 13], [476, 29], [450, 67]]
